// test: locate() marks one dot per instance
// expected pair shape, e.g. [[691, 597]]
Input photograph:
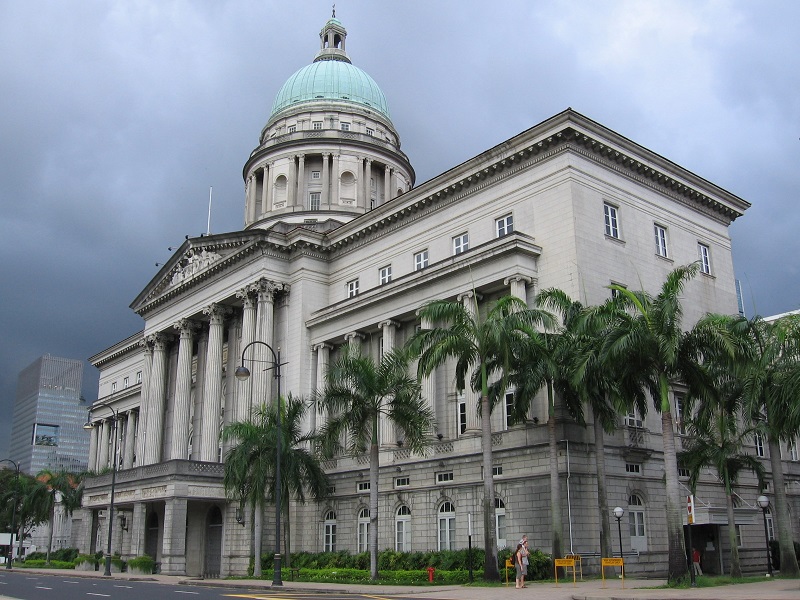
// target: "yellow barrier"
[[509, 564], [567, 563], [612, 562], [578, 563]]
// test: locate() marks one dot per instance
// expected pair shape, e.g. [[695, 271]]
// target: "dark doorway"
[[151, 537], [213, 560]]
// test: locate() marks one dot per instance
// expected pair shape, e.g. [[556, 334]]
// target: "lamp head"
[[88, 426], [242, 373], [618, 512], [763, 502]]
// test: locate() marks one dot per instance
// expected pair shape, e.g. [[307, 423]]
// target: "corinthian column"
[[301, 181], [264, 188], [130, 437], [335, 180], [325, 202], [386, 433], [155, 416], [212, 386], [317, 419], [268, 185], [183, 391], [387, 184], [292, 191], [473, 424], [93, 449], [262, 357], [144, 406], [105, 428], [244, 389]]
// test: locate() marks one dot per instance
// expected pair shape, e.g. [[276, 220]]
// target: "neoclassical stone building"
[[339, 248]]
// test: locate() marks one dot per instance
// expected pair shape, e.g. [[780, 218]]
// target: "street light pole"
[[243, 373], [90, 425], [763, 502], [618, 512], [13, 514]]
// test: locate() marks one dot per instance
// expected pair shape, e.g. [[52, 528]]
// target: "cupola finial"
[[333, 11]]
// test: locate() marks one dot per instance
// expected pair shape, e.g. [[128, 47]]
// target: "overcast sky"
[[117, 117]]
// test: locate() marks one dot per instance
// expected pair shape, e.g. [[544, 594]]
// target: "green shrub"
[[54, 564], [85, 558], [144, 564]]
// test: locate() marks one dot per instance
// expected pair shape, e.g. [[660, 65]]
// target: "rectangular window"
[[793, 450], [758, 442], [313, 200], [504, 225], [509, 409], [770, 526], [633, 468], [680, 421], [385, 274], [45, 435], [113, 387], [661, 240], [292, 128], [363, 486], [330, 537], [633, 419], [461, 243], [316, 125], [420, 260], [403, 534], [370, 132], [400, 482], [637, 530], [738, 535], [316, 174], [447, 531], [683, 472], [345, 126], [126, 382], [705, 258], [444, 477], [363, 536], [612, 220], [497, 471], [352, 288], [138, 377], [462, 415], [331, 490]]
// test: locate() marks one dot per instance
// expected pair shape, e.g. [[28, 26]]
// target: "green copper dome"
[[331, 80]]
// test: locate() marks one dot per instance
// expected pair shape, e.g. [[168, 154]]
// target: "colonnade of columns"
[[264, 200]]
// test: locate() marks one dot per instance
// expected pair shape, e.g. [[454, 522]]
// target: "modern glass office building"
[[49, 413]]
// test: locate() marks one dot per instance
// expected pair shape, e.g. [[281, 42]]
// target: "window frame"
[[704, 254], [402, 529], [362, 535], [329, 532], [446, 526], [662, 246], [344, 126], [316, 125], [500, 522], [421, 260], [314, 200], [352, 288], [385, 274], [611, 220], [637, 522], [504, 225], [758, 443], [460, 243]]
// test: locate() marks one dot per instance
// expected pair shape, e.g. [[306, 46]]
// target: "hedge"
[[54, 564]]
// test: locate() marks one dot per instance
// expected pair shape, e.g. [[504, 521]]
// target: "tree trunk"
[[258, 529], [783, 523], [678, 568], [287, 536], [555, 483], [374, 457], [736, 565], [50, 532], [490, 569], [602, 495]]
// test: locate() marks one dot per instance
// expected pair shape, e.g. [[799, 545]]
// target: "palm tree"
[[64, 487], [716, 442], [649, 344], [249, 474], [481, 347], [32, 498], [357, 393], [770, 372]]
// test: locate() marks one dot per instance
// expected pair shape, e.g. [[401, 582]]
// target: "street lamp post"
[[763, 502], [243, 373], [13, 513], [90, 425], [618, 512]]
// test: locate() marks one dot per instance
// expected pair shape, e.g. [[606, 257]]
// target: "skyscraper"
[[49, 413]]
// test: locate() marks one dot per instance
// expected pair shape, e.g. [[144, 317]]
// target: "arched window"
[[447, 526], [363, 530], [636, 521], [402, 529], [329, 532], [500, 522]]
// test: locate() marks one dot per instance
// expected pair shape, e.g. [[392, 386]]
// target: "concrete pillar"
[[212, 386], [244, 389], [251, 198], [138, 528], [291, 192], [183, 390], [318, 418], [387, 182], [261, 356], [325, 200], [158, 388], [473, 422], [301, 181], [105, 436], [386, 433], [268, 185], [335, 183], [368, 185], [360, 202], [144, 407], [93, 449], [264, 189], [518, 286], [173, 544], [130, 440]]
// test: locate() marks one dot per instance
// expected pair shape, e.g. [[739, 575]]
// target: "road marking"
[[185, 592], [127, 587], [65, 581], [41, 587], [93, 594]]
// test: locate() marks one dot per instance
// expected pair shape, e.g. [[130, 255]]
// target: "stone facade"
[[567, 204]]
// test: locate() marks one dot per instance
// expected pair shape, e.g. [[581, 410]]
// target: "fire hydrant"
[[430, 574]]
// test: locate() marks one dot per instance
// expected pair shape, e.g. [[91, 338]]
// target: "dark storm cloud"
[[116, 117]]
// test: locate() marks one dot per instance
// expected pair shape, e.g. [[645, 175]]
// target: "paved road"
[[40, 584]]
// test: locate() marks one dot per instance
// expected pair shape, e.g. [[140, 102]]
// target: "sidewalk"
[[635, 589]]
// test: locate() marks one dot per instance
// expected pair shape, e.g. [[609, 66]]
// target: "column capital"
[[217, 312], [388, 323], [186, 326], [514, 278], [354, 335], [159, 340]]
